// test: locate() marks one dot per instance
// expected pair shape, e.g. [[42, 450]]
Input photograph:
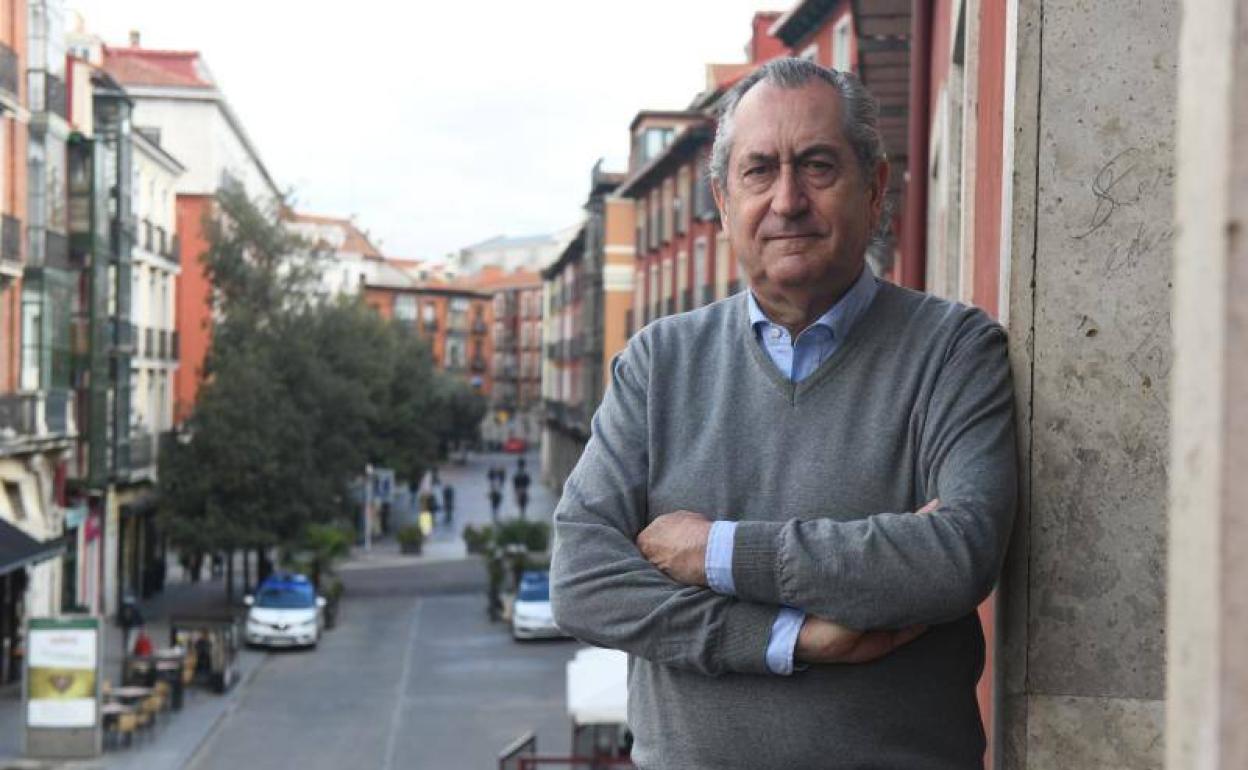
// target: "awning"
[[18, 549], [598, 687]]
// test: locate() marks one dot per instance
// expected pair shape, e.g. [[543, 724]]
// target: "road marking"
[[396, 718]]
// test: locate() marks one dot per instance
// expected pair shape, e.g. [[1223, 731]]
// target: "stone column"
[[1087, 249], [1207, 678]]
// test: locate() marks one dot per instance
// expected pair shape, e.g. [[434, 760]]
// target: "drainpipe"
[[913, 273]]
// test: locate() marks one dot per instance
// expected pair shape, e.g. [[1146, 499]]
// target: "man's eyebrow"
[[820, 149], [759, 157]]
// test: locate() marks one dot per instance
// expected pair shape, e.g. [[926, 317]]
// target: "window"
[[654, 291], [656, 221], [405, 309], [669, 209], [700, 272], [682, 282], [14, 493], [840, 46], [653, 141]]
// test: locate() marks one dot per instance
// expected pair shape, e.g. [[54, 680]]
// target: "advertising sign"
[[61, 672]]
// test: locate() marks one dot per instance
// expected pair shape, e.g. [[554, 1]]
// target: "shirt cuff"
[[719, 558], [784, 640]]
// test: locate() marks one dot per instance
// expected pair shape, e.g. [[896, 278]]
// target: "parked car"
[[531, 616], [515, 445], [285, 612]]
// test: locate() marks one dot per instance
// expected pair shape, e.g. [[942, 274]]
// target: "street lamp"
[[368, 504]]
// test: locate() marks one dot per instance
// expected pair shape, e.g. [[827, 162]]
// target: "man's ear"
[[718, 193], [879, 189]]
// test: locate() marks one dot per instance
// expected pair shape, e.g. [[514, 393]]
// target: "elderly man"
[[795, 498]]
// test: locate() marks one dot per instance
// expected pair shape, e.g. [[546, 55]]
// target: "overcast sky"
[[441, 124]]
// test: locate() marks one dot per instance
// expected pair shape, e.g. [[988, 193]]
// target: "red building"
[[941, 113], [683, 258]]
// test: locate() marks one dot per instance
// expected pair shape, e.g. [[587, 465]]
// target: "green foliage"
[[464, 409], [478, 540], [411, 536], [533, 535], [298, 397]]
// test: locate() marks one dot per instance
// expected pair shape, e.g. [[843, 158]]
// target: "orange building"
[[589, 290], [454, 317], [516, 363]]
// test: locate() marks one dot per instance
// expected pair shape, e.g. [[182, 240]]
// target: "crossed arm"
[[866, 585]]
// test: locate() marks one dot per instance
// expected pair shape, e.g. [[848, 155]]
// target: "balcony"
[[162, 344], [10, 245], [138, 456], [8, 71], [56, 250], [35, 417], [56, 95]]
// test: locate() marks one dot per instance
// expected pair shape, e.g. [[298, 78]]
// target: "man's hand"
[[676, 544], [822, 641]]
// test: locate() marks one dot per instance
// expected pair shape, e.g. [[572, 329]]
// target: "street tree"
[[298, 395]]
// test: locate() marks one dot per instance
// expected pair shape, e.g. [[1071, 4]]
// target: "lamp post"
[[368, 504]]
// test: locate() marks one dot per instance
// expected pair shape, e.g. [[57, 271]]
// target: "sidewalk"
[[180, 733]]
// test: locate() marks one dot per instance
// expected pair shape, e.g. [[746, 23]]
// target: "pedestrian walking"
[[448, 501], [496, 499], [521, 484]]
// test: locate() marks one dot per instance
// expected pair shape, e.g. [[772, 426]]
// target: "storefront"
[[19, 553]]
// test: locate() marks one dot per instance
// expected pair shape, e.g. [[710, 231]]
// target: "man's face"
[[797, 208]]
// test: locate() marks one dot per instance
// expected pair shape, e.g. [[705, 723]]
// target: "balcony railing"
[[35, 415], [149, 344], [56, 95], [8, 70], [11, 239]]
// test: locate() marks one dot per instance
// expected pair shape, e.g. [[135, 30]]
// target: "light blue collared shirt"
[[796, 360]]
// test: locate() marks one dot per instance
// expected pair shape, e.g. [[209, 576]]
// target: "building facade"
[[341, 254], [453, 318], [176, 99], [588, 291], [516, 359], [36, 407]]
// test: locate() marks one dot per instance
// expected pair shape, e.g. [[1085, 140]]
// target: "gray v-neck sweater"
[[822, 476]]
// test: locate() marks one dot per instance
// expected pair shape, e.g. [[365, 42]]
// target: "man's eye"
[[755, 171], [820, 166]]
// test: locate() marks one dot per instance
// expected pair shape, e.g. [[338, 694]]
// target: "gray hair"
[[859, 110]]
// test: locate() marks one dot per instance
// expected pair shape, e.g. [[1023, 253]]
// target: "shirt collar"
[[841, 317]]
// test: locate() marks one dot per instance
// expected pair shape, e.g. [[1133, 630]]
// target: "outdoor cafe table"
[[130, 693]]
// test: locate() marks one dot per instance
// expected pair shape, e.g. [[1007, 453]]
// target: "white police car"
[[285, 612], [531, 615]]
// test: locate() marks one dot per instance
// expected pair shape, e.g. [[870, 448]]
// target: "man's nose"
[[789, 198]]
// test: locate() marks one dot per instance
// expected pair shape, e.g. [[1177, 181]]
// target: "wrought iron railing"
[[10, 239], [8, 70]]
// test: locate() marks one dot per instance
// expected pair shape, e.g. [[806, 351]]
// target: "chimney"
[[134, 38]]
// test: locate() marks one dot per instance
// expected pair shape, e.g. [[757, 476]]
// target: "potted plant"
[[410, 539]]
